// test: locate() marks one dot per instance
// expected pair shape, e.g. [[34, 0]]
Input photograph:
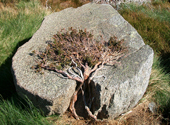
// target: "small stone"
[[152, 107]]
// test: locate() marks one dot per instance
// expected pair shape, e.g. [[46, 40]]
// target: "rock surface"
[[117, 3], [124, 85]]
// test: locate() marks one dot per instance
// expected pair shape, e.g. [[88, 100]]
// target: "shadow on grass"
[[7, 88], [165, 62], [164, 102], [164, 96]]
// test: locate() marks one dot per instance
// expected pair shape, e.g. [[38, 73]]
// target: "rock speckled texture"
[[124, 85]]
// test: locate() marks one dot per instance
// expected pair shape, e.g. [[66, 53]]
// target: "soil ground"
[[139, 115]]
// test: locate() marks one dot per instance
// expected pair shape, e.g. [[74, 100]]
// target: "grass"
[[153, 28], [19, 20], [157, 10], [159, 87], [58, 5], [153, 24], [17, 26], [16, 113]]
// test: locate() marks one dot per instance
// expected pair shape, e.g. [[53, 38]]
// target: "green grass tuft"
[[17, 25], [14, 114], [155, 32], [160, 85]]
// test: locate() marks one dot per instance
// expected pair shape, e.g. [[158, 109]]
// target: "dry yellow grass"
[[140, 115]]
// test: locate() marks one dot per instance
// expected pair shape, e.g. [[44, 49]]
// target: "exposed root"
[[83, 77], [72, 103], [87, 108], [81, 51]]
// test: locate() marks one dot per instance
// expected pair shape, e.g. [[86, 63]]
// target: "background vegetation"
[[152, 21], [19, 20]]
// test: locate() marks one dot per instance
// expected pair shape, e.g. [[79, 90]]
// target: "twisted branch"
[[81, 51]]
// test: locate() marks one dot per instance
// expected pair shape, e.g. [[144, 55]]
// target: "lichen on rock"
[[125, 84]]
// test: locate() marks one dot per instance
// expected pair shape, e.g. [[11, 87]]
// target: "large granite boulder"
[[124, 85]]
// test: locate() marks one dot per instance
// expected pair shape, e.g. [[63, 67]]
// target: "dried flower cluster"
[[84, 54]]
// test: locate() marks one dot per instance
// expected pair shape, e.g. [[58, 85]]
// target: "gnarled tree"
[[84, 55]]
